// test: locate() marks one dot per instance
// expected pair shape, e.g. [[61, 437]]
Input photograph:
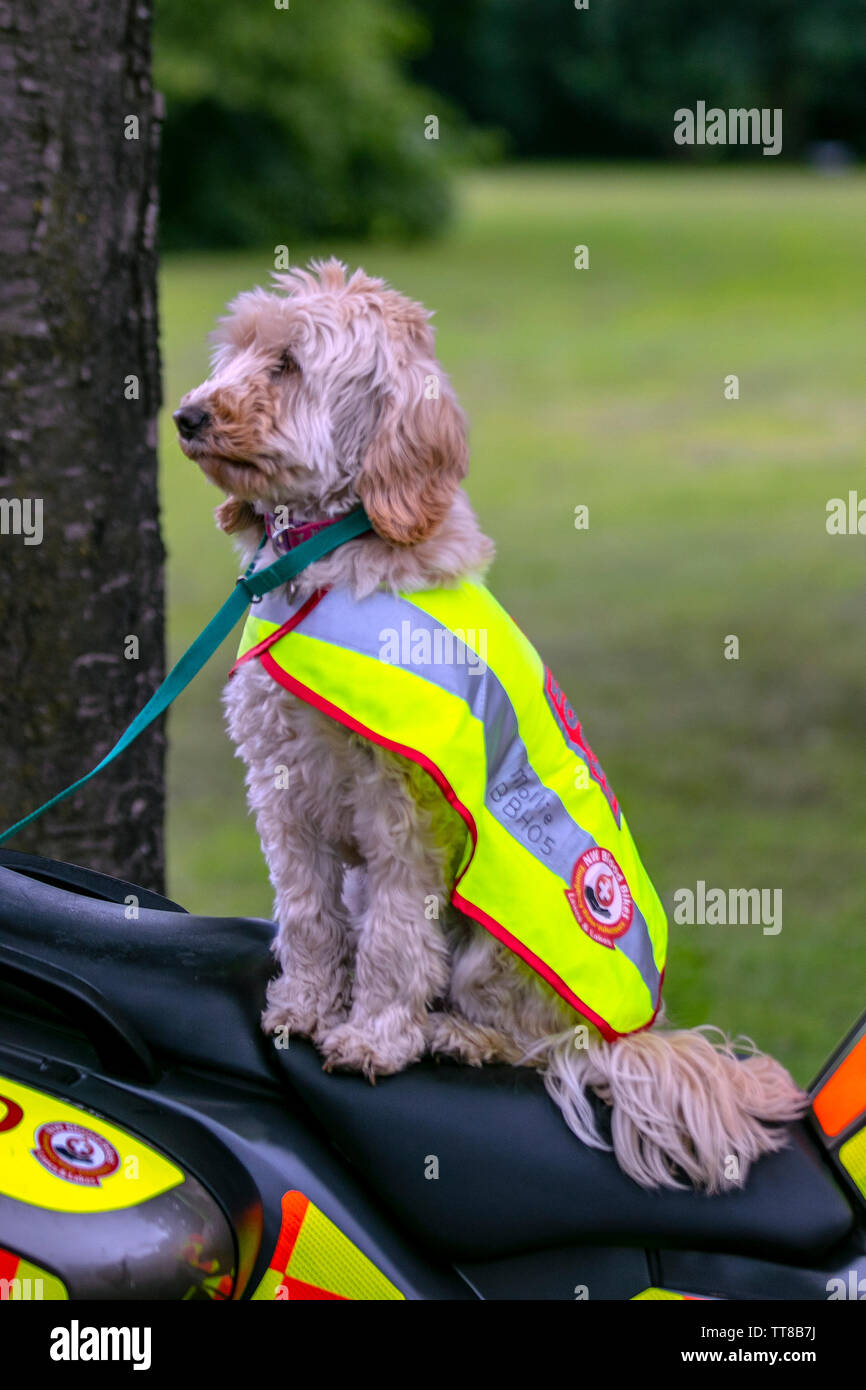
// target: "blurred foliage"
[[310, 121], [606, 80], [289, 122]]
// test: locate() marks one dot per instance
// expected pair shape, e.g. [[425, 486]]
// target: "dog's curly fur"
[[317, 401]]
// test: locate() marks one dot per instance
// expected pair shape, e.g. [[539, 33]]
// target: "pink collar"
[[285, 538]]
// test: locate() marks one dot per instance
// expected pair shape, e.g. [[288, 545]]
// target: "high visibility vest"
[[445, 678]]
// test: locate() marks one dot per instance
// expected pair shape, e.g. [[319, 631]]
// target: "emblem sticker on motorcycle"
[[599, 896], [74, 1153]]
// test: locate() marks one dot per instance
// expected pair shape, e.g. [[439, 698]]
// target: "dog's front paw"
[[280, 1018], [379, 1047], [295, 1010]]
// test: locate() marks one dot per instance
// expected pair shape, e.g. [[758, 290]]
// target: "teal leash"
[[249, 587]]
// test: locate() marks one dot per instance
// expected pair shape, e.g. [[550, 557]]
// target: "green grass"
[[605, 387]]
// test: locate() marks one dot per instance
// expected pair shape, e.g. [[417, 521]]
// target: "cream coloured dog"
[[315, 403]]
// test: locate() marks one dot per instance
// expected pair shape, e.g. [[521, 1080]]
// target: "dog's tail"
[[682, 1103]]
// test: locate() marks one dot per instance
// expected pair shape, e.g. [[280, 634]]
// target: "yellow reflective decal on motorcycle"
[[55, 1155], [23, 1282], [669, 1294], [852, 1156], [314, 1260]]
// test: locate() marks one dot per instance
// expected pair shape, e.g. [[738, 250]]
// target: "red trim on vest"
[[261, 647], [478, 914]]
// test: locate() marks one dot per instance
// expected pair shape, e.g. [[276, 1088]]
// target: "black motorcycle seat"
[[477, 1163], [509, 1176], [192, 987]]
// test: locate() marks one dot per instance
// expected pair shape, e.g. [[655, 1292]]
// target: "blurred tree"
[[81, 577], [606, 80], [294, 122]]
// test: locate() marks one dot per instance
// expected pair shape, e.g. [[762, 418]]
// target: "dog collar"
[[284, 537]]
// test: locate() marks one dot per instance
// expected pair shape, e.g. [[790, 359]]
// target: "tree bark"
[[81, 609]]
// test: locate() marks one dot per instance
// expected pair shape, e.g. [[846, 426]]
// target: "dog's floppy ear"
[[234, 514], [417, 458]]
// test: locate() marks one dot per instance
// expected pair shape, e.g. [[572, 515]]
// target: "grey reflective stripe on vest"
[[346, 622]]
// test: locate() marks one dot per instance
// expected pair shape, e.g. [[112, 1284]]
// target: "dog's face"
[[323, 393]]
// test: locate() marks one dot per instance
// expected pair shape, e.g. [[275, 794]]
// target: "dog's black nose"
[[190, 419]]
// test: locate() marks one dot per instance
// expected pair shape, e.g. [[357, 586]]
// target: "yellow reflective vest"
[[445, 678]]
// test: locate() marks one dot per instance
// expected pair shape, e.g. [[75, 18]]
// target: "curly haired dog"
[[315, 403]]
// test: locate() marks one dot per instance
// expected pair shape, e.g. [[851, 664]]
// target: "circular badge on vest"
[[600, 898], [74, 1153]]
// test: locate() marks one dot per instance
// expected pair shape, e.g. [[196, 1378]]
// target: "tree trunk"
[[81, 604]]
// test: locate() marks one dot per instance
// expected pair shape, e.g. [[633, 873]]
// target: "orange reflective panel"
[[843, 1096]]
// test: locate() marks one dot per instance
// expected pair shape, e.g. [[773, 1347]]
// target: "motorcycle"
[[154, 1144]]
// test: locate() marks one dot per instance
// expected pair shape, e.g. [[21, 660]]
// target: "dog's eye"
[[286, 365]]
